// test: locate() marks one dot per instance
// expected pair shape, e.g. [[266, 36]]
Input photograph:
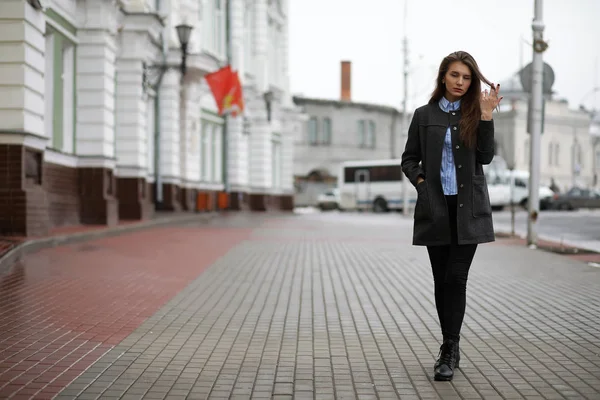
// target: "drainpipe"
[[158, 189]]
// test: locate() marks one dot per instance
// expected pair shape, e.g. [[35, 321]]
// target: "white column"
[[261, 41], [131, 119], [96, 57], [193, 156], [287, 153], [260, 162], [169, 128], [183, 129], [22, 48], [190, 135], [285, 57], [135, 105], [218, 172], [237, 35], [237, 166], [237, 143]]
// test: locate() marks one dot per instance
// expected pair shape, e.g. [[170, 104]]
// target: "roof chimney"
[[346, 92]]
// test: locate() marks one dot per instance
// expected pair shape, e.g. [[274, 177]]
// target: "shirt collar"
[[448, 106]]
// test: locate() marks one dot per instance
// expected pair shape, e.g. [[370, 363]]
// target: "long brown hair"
[[469, 102]]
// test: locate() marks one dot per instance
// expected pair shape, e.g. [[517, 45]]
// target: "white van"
[[501, 183], [520, 182]]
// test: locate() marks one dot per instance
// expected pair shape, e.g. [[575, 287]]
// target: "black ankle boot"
[[448, 361], [437, 362]]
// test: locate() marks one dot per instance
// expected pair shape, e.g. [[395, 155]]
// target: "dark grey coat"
[[423, 157]]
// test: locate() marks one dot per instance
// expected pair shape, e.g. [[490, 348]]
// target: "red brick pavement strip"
[[66, 234], [64, 307], [9, 242]]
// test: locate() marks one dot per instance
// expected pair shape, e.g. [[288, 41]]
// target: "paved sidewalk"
[[321, 306]]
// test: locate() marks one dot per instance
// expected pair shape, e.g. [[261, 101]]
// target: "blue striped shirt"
[[448, 170]]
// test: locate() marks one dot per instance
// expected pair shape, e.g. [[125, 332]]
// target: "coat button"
[[454, 128], [453, 113], [459, 166], [460, 205], [461, 185], [457, 146]]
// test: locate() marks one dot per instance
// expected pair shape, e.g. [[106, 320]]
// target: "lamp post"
[[268, 97], [152, 78], [539, 46], [153, 73], [184, 32]]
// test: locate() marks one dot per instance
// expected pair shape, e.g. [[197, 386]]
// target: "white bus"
[[373, 185]]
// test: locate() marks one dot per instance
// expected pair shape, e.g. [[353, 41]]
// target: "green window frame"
[[61, 29]]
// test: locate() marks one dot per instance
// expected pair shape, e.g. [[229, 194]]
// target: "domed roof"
[[512, 87]]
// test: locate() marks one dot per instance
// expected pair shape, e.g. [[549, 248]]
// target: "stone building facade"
[[89, 135], [341, 130]]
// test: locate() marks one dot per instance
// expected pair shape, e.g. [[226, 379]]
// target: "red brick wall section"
[[171, 197], [37, 219], [188, 199], [62, 193], [258, 202], [12, 198], [287, 202], [135, 199], [98, 202], [23, 208]]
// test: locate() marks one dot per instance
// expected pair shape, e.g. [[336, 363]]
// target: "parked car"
[[576, 198], [329, 200]]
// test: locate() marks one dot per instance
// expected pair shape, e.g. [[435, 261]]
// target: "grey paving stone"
[[341, 306]]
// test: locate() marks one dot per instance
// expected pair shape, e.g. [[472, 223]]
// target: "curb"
[[15, 254], [553, 246]]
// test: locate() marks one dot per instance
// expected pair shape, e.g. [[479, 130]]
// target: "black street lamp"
[[153, 73], [268, 97], [183, 33]]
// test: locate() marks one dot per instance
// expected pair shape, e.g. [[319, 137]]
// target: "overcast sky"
[[369, 34]]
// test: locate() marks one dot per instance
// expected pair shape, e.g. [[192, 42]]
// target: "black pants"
[[450, 265]]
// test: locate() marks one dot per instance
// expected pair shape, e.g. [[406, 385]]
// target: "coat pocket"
[[422, 207], [481, 197]]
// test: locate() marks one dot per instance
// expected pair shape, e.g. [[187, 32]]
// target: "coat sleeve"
[[485, 142], [412, 153]]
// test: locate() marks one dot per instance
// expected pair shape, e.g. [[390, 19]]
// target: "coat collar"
[[437, 116], [448, 106]]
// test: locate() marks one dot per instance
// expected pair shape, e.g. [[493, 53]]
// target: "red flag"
[[227, 90]]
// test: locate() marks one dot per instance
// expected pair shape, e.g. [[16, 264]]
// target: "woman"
[[449, 139]]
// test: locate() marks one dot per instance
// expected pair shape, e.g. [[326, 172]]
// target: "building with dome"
[[570, 153]]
